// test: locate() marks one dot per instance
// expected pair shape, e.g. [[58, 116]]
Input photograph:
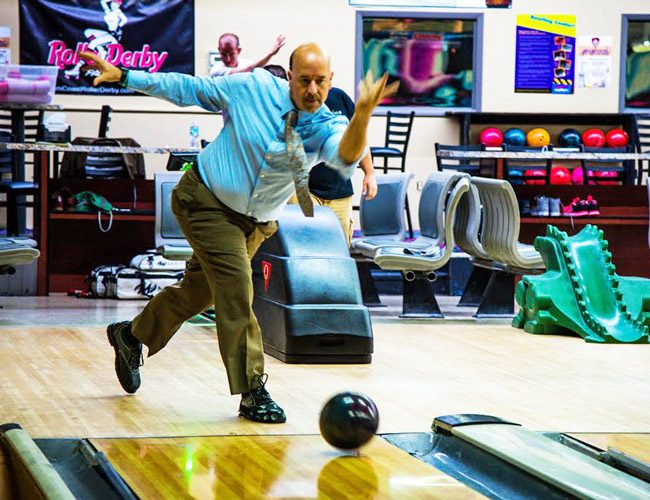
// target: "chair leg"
[[639, 179], [408, 217], [12, 214], [419, 300], [475, 287], [369, 293], [499, 297]]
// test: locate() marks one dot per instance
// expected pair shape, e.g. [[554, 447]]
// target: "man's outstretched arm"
[[371, 93], [277, 45]]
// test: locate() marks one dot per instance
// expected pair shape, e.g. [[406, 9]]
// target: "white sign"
[[5, 42], [594, 62]]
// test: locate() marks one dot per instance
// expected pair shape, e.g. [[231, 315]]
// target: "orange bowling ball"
[[538, 137]]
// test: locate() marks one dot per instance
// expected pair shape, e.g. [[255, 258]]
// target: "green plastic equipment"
[[580, 292]]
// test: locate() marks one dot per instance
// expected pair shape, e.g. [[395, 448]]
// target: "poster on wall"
[[545, 53], [461, 4], [594, 61], [132, 34], [5, 45]]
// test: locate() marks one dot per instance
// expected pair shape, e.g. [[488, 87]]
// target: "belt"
[[195, 167]]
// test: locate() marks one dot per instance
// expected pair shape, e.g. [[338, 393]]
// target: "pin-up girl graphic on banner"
[[99, 40]]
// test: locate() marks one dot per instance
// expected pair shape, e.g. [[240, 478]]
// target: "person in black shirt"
[[326, 186]]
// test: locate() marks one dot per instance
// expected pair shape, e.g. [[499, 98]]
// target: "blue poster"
[[546, 46], [131, 34]]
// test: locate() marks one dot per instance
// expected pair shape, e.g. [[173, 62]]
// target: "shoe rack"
[[623, 218]]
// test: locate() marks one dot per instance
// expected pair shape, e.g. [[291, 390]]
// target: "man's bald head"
[[308, 50], [310, 78], [229, 49]]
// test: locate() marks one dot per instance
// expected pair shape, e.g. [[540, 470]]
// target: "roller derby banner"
[[545, 58], [132, 34]]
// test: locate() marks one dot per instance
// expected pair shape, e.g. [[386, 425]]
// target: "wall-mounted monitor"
[[435, 56]]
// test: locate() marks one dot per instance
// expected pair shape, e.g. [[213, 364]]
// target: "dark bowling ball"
[[569, 138], [349, 420]]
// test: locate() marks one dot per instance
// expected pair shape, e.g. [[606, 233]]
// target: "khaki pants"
[[341, 207], [218, 273]]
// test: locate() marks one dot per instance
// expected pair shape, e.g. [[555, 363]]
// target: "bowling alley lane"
[[296, 466]]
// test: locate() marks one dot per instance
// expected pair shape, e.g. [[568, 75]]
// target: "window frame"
[[477, 68], [626, 18]]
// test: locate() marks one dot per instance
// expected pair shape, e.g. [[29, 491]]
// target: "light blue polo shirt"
[[246, 166]]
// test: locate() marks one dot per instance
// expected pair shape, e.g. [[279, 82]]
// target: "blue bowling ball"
[[514, 137], [516, 177], [569, 138]]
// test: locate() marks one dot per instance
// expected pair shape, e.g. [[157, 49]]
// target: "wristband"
[[124, 77]]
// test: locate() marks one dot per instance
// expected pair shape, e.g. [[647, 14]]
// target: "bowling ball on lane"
[[349, 420]]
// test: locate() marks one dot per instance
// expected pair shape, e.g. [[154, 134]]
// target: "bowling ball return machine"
[[307, 293], [502, 459]]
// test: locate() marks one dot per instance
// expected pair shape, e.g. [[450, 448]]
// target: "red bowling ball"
[[535, 173], [594, 138], [560, 175], [606, 174], [617, 138], [491, 137]]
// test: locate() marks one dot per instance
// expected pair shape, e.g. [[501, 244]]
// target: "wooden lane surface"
[[298, 466], [6, 481], [634, 444], [59, 381]]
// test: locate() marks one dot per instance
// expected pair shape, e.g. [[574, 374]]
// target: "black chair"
[[606, 170], [33, 118], [6, 157], [485, 167], [398, 133], [12, 176], [104, 120], [514, 169], [104, 166]]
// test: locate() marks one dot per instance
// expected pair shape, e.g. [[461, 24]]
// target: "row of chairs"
[[518, 170], [480, 215]]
